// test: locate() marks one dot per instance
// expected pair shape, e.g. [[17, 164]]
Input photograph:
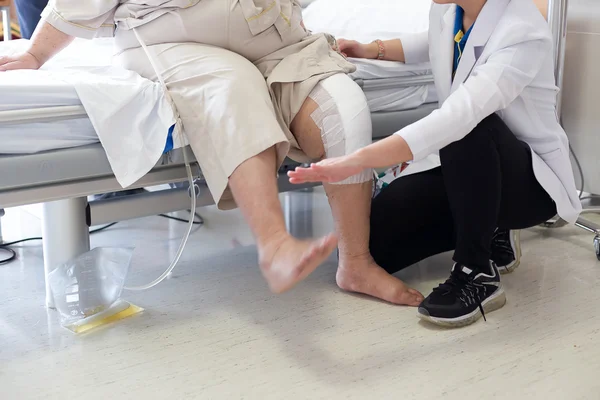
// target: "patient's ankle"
[[269, 244], [354, 258]]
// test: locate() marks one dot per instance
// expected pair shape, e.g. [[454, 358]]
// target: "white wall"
[[581, 89]]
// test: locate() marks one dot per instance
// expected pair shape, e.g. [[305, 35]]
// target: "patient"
[[215, 57]]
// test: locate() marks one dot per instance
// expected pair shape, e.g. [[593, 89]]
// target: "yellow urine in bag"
[[116, 312]]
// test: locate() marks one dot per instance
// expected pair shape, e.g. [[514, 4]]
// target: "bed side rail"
[[45, 114]]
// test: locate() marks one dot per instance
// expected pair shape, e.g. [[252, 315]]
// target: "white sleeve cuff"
[[416, 143], [52, 17], [415, 47]]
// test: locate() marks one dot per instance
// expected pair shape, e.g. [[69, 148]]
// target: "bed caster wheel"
[[597, 246]]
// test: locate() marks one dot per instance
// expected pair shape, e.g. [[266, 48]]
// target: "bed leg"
[[298, 210], [1, 215], [65, 235]]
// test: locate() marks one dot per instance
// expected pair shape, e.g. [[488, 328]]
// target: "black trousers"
[[485, 181]]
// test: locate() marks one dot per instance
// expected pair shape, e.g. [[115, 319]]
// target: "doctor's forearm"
[[385, 153], [47, 41], [393, 50]]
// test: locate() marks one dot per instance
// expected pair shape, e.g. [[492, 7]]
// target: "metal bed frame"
[[557, 17]]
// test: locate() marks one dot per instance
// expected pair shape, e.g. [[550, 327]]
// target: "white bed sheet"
[[393, 86], [400, 99], [31, 91], [367, 20], [26, 90], [130, 114]]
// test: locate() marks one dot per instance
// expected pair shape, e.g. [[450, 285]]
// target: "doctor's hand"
[[327, 171], [354, 49], [19, 61]]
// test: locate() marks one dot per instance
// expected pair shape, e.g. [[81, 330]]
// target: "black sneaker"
[[464, 298], [506, 250]]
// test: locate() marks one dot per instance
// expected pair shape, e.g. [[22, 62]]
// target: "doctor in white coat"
[[504, 156]]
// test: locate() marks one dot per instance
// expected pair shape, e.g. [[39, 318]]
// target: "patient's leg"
[[229, 120], [335, 120], [284, 261]]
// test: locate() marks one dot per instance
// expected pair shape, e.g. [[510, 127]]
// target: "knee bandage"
[[344, 119]]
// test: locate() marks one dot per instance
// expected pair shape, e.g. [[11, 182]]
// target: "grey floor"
[[213, 331]]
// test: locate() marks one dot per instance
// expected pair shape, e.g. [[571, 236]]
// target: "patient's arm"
[[47, 41]]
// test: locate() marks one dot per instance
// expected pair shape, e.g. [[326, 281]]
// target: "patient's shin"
[[344, 119]]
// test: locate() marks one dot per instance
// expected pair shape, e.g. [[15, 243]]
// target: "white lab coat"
[[506, 68]]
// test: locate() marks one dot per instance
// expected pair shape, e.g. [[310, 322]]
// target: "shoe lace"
[[501, 240], [464, 288]]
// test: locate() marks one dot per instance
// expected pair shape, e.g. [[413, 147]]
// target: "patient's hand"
[[354, 49], [19, 61], [331, 170]]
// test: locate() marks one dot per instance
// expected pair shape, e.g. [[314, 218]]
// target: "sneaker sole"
[[493, 303], [515, 242]]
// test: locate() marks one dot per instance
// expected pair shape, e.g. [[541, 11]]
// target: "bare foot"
[[363, 275], [286, 261]]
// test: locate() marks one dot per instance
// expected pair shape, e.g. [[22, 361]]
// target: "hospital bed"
[[62, 179]]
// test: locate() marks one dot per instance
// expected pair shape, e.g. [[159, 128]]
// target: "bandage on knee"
[[344, 119]]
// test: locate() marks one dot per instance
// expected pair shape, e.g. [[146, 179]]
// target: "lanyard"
[[460, 38]]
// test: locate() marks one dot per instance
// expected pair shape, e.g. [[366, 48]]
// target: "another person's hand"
[[327, 171], [19, 61], [354, 49]]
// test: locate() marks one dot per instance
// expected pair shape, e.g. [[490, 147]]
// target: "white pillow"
[[367, 20]]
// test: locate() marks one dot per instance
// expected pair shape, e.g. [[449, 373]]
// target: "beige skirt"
[[238, 72]]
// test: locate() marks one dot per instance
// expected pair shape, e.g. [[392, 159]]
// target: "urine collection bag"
[[87, 289]]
